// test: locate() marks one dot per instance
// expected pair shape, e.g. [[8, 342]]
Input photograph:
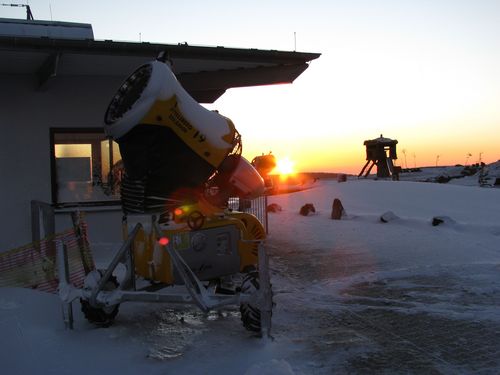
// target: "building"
[[57, 81]]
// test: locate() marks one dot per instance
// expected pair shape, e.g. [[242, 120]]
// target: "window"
[[86, 166]]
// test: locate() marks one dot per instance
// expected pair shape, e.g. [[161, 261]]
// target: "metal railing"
[[256, 207], [43, 214]]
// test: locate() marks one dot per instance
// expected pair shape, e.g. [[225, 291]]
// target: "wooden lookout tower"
[[380, 152]]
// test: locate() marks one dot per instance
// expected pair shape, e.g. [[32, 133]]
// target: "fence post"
[[265, 213], [64, 284], [45, 211]]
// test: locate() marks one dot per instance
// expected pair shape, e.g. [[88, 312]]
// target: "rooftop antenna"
[[29, 15]]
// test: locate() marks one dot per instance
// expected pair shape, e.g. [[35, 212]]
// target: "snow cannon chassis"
[[102, 294]]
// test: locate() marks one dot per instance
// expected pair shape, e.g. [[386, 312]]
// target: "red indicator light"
[[163, 241], [178, 212]]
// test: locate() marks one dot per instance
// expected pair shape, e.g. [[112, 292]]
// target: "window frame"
[[53, 131]]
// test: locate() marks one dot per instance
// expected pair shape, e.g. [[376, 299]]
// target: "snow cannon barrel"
[[170, 145]]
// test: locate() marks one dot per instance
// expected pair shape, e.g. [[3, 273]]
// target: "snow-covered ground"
[[352, 296], [471, 175]]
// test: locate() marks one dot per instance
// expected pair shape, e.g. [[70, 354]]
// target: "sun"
[[285, 166]]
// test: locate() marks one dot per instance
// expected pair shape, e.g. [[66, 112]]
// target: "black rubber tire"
[[250, 315], [101, 316]]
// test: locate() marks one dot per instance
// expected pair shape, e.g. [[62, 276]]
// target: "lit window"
[[86, 166]]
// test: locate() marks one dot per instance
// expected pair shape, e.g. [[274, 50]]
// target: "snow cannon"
[[264, 164], [170, 144], [181, 164]]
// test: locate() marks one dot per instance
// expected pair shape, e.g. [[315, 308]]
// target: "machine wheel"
[[250, 315], [101, 316]]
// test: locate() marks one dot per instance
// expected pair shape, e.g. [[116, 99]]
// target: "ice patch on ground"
[[8, 305], [272, 367]]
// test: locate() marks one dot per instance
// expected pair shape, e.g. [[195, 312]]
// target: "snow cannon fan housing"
[[170, 144], [236, 177]]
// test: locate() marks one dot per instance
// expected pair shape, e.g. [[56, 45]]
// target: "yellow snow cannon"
[[182, 162], [264, 164]]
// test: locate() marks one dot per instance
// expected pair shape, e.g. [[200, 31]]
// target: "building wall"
[[26, 115]]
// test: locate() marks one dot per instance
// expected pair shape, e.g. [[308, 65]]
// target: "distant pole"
[[50, 10], [404, 153], [467, 156], [29, 15], [294, 41], [414, 160], [437, 159]]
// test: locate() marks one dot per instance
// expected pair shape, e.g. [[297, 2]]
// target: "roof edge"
[[110, 47]]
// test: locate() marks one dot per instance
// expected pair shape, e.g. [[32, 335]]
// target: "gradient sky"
[[424, 72]]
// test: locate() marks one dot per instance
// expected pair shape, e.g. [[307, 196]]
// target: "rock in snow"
[[438, 220], [388, 216], [307, 209], [338, 210]]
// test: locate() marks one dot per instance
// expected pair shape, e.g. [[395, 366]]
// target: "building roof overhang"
[[205, 72]]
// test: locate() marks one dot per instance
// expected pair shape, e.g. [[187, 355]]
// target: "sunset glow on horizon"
[[424, 73], [284, 167]]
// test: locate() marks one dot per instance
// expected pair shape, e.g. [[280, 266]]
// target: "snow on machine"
[[181, 164]]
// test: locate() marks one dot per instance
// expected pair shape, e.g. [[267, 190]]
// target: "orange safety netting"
[[35, 265]]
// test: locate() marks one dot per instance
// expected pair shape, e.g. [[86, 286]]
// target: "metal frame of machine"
[[96, 290]]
